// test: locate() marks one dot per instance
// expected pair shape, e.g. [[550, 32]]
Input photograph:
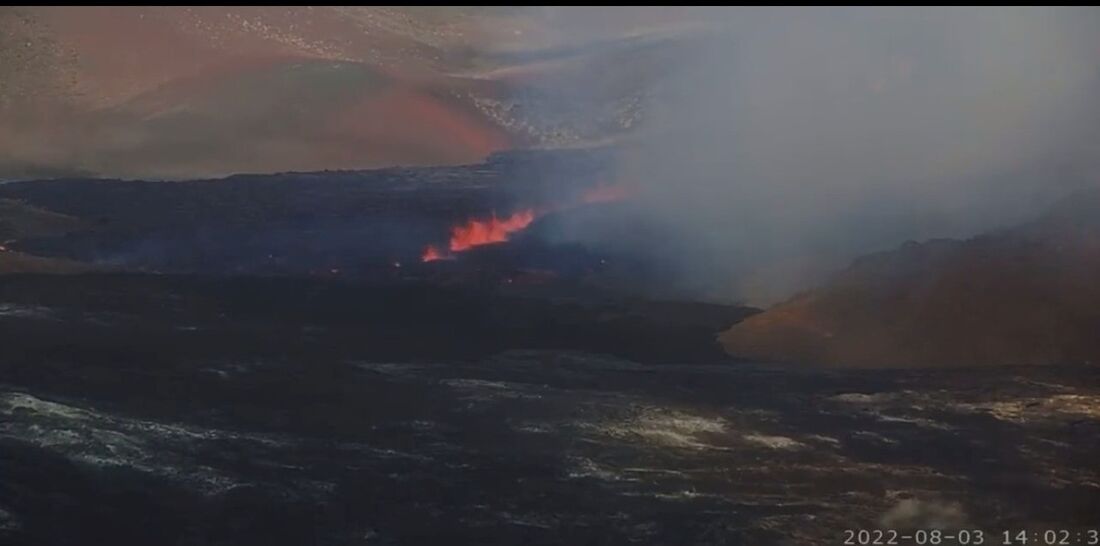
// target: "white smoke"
[[783, 142]]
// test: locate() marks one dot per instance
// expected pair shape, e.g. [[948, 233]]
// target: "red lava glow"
[[494, 230], [431, 254], [480, 232], [497, 230]]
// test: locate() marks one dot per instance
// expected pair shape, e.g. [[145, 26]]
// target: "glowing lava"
[[480, 232], [494, 230], [497, 230], [431, 254]]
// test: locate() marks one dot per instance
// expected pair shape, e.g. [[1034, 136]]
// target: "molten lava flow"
[[497, 230], [494, 230], [431, 254]]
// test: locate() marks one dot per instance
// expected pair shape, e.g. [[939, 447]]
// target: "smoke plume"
[[781, 143]]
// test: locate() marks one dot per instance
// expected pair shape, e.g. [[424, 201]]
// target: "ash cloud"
[[784, 142]]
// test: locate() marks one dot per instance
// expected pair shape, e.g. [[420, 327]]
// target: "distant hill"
[[19, 220], [188, 92], [1023, 296]]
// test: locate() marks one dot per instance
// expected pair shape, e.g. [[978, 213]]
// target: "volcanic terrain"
[[271, 360]]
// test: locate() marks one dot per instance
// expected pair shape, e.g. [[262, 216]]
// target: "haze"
[[767, 146], [789, 141]]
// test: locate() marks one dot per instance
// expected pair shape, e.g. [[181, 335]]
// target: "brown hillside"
[[1025, 296]]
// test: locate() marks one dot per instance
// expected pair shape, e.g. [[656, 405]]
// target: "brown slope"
[[183, 92], [1026, 296], [178, 92], [19, 220]]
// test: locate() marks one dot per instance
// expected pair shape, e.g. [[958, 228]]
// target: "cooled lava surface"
[[176, 410]]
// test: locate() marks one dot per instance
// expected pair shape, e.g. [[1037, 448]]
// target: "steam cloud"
[[781, 143]]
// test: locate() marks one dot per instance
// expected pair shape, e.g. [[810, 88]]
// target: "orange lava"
[[494, 230], [431, 254], [476, 232]]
